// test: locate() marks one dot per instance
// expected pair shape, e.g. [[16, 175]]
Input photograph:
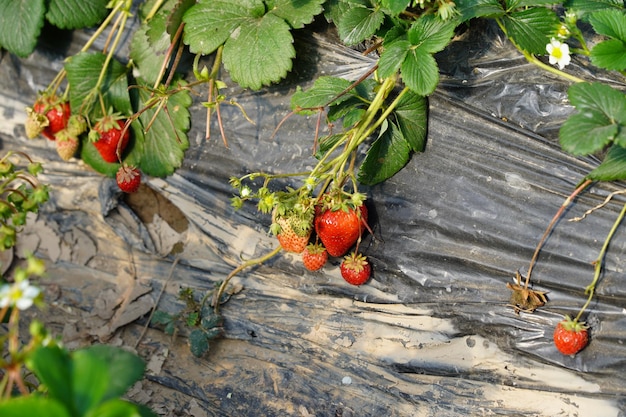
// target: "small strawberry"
[[108, 139], [293, 234], [339, 224], [570, 336], [355, 269], [128, 178], [314, 257], [48, 116], [67, 144]]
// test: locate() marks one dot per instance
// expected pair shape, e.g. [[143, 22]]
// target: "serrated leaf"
[[430, 33], [609, 22], [387, 155], [470, 9], [125, 368], [358, 24], [531, 29], [392, 57], [297, 13], [395, 7], [613, 168], [353, 116], [585, 7], [610, 54], [175, 18], [161, 317], [260, 53], [83, 73], [210, 23], [149, 51], [161, 150], [20, 25], [516, 4], [198, 343], [420, 72], [325, 91], [327, 143], [76, 14], [412, 119], [600, 119]]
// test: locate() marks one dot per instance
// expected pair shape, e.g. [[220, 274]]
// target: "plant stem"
[[534, 60], [556, 217], [598, 263]]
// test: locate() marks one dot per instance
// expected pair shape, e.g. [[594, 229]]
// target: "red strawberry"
[[570, 336], [293, 236], [314, 257], [340, 228], [128, 178], [355, 269], [108, 139], [48, 116], [67, 144]]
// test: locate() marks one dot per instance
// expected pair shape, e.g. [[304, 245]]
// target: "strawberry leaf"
[[325, 91], [260, 52], [20, 25], [83, 72], [531, 29], [431, 34], [161, 149], [148, 47], [613, 168], [395, 7], [392, 57], [610, 54], [175, 18], [420, 72], [585, 7], [296, 13], [601, 119], [470, 9], [387, 155], [412, 119], [75, 14], [359, 23]]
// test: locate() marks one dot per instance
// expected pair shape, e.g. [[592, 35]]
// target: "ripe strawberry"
[[340, 228], [48, 116], [355, 269], [66, 143], [293, 235], [128, 178], [314, 257], [108, 139], [570, 336]]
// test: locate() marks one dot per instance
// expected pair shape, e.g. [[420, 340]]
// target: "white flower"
[[559, 53], [19, 294], [245, 192]]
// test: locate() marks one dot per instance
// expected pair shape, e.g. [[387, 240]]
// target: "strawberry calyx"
[[337, 199], [573, 325], [355, 262]]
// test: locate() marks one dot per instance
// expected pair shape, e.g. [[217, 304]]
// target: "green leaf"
[[585, 7], [420, 72], [161, 317], [531, 29], [161, 149], [125, 368], [260, 52], [89, 379], [392, 57], [470, 9], [325, 91], [76, 14], [198, 343], [610, 22], [116, 408], [52, 365], [600, 119], [33, 405], [83, 72], [613, 168], [175, 18], [147, 50], [412, 119], [395, 7], [387, 155], [430, 33], [210, 23], [609, 55], [358, 24], [297, 12], [516, 4], [20, 25], [327, 143]]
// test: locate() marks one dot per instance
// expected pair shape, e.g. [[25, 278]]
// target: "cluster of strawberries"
[[339, 225], [52, 117]]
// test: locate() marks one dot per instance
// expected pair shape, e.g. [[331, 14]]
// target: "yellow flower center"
[[557, 53]]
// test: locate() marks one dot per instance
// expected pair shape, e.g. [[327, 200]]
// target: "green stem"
[[534, 60], [598, 263]]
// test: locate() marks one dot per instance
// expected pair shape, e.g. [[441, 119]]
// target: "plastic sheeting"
[[432, 333]]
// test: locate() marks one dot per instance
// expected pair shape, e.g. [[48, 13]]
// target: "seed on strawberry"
[[128, 178], [48, 116], [570, 336], [314, 257], [109, 137], [355, 269], [66, 144], [340, 227]]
